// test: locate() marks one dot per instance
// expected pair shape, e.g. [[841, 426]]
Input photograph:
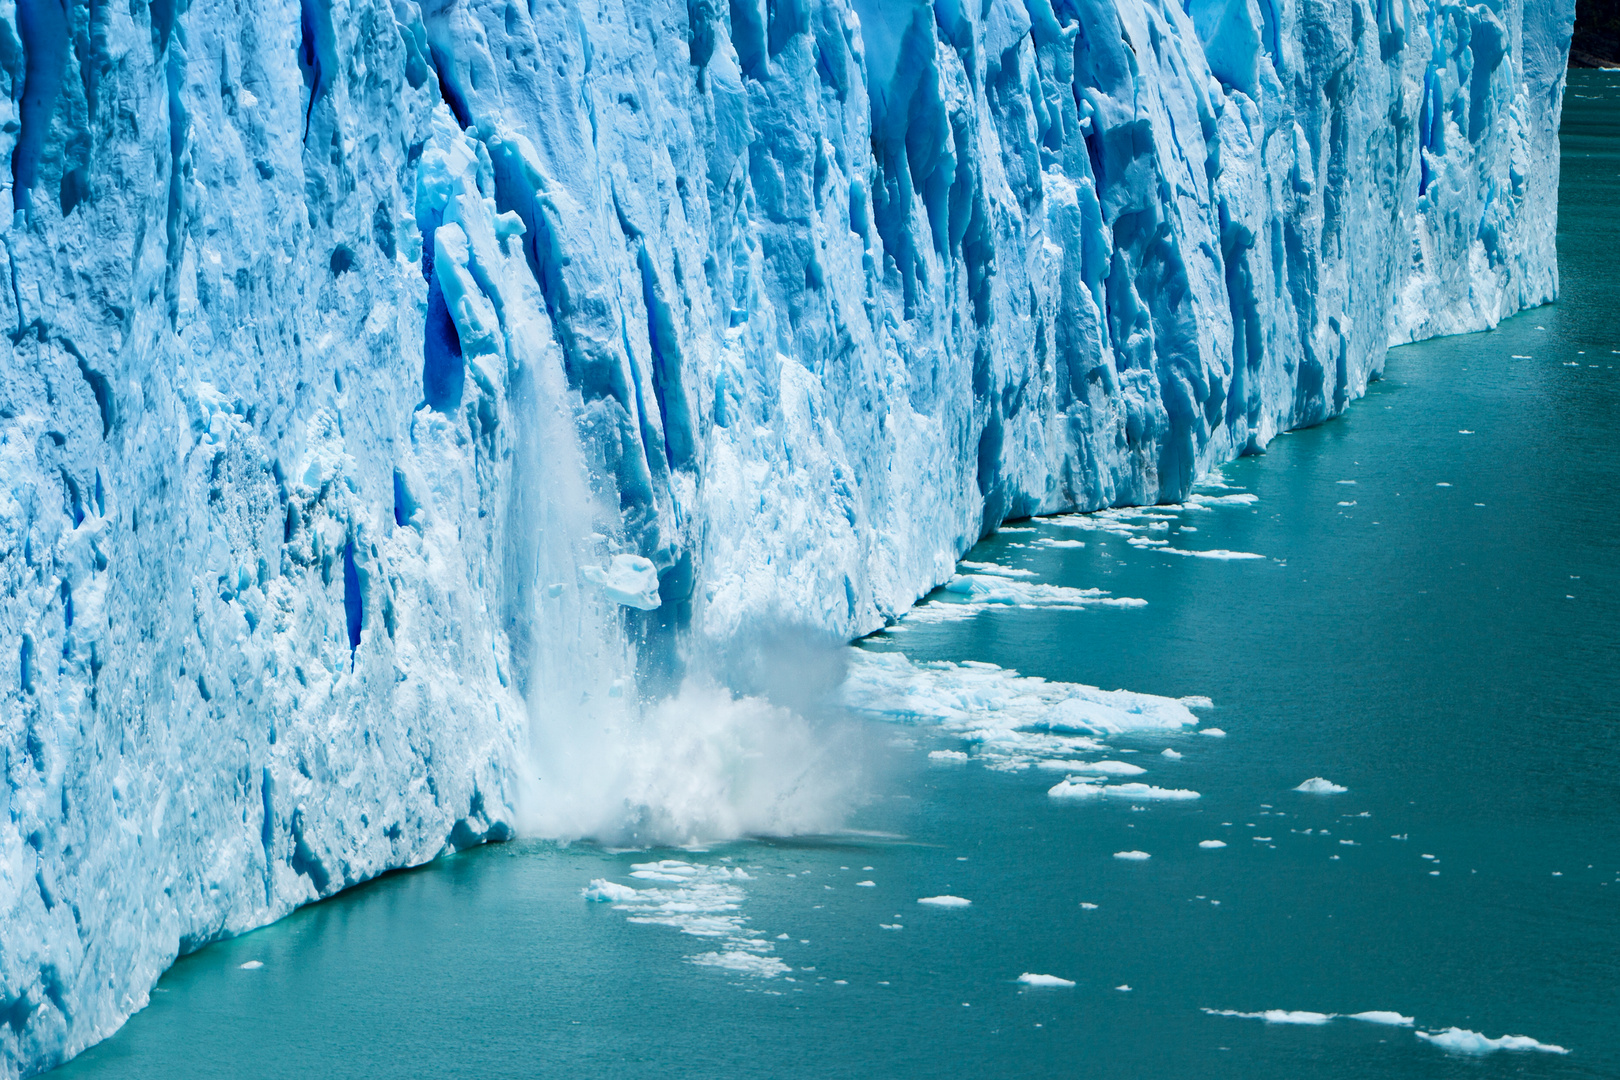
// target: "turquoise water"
[[1447, 653]]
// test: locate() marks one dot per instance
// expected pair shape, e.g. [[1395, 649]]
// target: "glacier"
[[414, 416]]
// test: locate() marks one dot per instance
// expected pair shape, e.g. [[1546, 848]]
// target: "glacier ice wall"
[[392, 392]]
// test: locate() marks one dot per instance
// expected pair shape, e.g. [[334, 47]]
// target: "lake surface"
[[1433, 624]]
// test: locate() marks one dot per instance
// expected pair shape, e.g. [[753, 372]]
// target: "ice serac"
[[391, 392]]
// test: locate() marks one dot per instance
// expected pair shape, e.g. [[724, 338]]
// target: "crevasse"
[[394, 397]]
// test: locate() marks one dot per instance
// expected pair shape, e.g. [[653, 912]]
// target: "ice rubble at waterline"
[[469, 368]]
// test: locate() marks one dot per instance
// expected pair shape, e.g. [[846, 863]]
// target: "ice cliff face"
[[391, 390]]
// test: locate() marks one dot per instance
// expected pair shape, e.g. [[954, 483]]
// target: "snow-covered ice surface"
[[367, 383]]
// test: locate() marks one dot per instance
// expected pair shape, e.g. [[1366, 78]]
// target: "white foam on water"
[[1379, 1016], [1462, 1041], [1030, 978], [1211, 844], [744, 963], [1132, 856], [1316, 785], [1014, 720], [699, 899], [944, 901]]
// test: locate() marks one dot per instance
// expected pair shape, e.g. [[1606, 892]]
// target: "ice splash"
[[700, 899], [700, 766]]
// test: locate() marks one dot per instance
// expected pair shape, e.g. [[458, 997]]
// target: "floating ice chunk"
[[1123, 988], [1462, 1041], [1110, 768], [1212, 844], [953, 756], [996, 569], [1316, 785], [1060, 764], [866, 884], [945, 901], [1087, 906], [629, 580], [1276, 1016], [1464, 431], [1242, 498], [1002, 591], [744, 963], [1213, 732], [890, 926], [601, 889], [1442, 484], [252, 965], [1197, 701], [1344, 481], [1216, 553], [1016, 720], [1378, 1016], [1173, 755], [1047, 541], [1029, 978], [1147, 791], [1132, 856], [1075, 789]]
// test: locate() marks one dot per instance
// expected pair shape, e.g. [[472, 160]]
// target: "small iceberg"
[[945, 901], [1462, 1041], [1276, 1016], [252, 965], [1029, 978], [1132, 856], [1316, 785], [1074, 789], [603, 890], [1211, 845], [1379, 1016]]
